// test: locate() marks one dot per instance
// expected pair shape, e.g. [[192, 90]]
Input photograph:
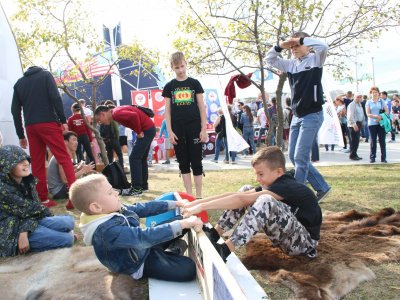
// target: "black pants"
[[374, 132], [114, 145], [138, 160], [354, 141], [189, 148], [344, 130], [83, 140]]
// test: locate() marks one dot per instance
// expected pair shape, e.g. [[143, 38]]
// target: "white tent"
[[10, 71]]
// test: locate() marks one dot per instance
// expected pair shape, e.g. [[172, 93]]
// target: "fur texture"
[[70, 273], [350, 241]]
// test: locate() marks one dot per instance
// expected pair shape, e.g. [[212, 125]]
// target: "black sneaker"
[[212, 234], [132, 192], [223, 251], [322, 195]]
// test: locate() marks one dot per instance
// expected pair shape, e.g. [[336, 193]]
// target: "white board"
[[10, 72], [167, 290]]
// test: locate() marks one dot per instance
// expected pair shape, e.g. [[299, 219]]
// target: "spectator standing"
[[186, 119], [85, 138], [341, 113], [167, 143], [304, 73], [355, 122], [262, 121], [384, 97], [365, 131], [374, 107], [37, 95], [135, 119], [287, 119], [248, 129]]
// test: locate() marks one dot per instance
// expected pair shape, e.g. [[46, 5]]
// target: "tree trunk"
[[279, 131]]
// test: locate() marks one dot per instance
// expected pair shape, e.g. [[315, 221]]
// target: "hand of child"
[[190, 211], [173, 139], [288, 44], [203, 136], [88, 168], [23, 243], [140, 135], [181, 203], [23, 143], [192, 222]]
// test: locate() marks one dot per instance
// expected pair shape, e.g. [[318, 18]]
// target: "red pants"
[[39, 136]]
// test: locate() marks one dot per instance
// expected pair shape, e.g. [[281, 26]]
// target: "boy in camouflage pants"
[[286, 210]]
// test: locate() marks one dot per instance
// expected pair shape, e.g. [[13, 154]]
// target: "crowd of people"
[[282, 205]]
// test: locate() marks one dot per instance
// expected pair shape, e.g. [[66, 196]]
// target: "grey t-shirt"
[[54, 181]]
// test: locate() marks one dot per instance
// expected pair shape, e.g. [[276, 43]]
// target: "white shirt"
[[261, 117]]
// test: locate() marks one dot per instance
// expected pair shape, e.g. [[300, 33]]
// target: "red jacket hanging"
[[242, 81]]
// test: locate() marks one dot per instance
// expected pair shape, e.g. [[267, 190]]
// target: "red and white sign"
[[158, 102], [140, 98]]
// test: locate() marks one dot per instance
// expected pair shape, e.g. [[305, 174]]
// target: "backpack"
[[148, 111], [116, 176]]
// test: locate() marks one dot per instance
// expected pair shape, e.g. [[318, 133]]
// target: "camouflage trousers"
[[275, 219]]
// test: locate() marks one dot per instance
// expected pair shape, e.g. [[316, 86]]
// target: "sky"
[[152, 22]]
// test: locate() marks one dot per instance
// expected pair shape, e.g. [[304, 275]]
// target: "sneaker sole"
[[324, 196]]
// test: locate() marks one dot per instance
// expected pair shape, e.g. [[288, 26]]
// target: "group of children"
[[282, 206]]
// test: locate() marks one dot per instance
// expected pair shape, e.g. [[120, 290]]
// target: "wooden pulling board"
[[215, 279]]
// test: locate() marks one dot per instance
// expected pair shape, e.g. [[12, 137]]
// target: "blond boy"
[[186, 120], [118, 240], [285, 209]]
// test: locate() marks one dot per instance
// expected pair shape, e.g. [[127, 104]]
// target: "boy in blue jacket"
[[118, 240]]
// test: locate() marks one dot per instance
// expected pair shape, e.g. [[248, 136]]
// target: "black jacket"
[[37, 94]]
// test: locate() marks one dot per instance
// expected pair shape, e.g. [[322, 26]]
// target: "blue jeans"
[[169, 266], [218, 144], [138, 160], [51, 233], [248, 135], [303, 132], [260, 133]]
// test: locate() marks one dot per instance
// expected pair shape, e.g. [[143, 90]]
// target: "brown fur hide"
[[350, 241], [70, 273]]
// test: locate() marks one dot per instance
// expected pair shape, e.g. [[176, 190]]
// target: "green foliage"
[[224, 36]]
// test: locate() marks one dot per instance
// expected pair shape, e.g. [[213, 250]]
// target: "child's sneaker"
[[212, 234], [49, 203], [132, 192], [226, 161], [223, 251]]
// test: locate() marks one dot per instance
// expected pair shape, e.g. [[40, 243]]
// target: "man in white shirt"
[[262, 121]]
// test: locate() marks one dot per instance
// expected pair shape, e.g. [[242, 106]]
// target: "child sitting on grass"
[[285, 209], [118, 240], [25, 224]]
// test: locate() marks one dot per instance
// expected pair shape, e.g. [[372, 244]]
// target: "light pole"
[[373, 71]]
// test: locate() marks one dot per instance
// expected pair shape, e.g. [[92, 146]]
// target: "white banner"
[[235, 140], [10, 72], [330, 132]]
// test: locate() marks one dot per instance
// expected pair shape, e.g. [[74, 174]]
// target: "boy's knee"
[[197, 170], [184, 168]]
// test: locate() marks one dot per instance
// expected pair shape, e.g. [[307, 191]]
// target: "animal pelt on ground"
[[69, 273], [350, 241]]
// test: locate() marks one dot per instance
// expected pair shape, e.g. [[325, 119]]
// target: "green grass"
[[365, 188]]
